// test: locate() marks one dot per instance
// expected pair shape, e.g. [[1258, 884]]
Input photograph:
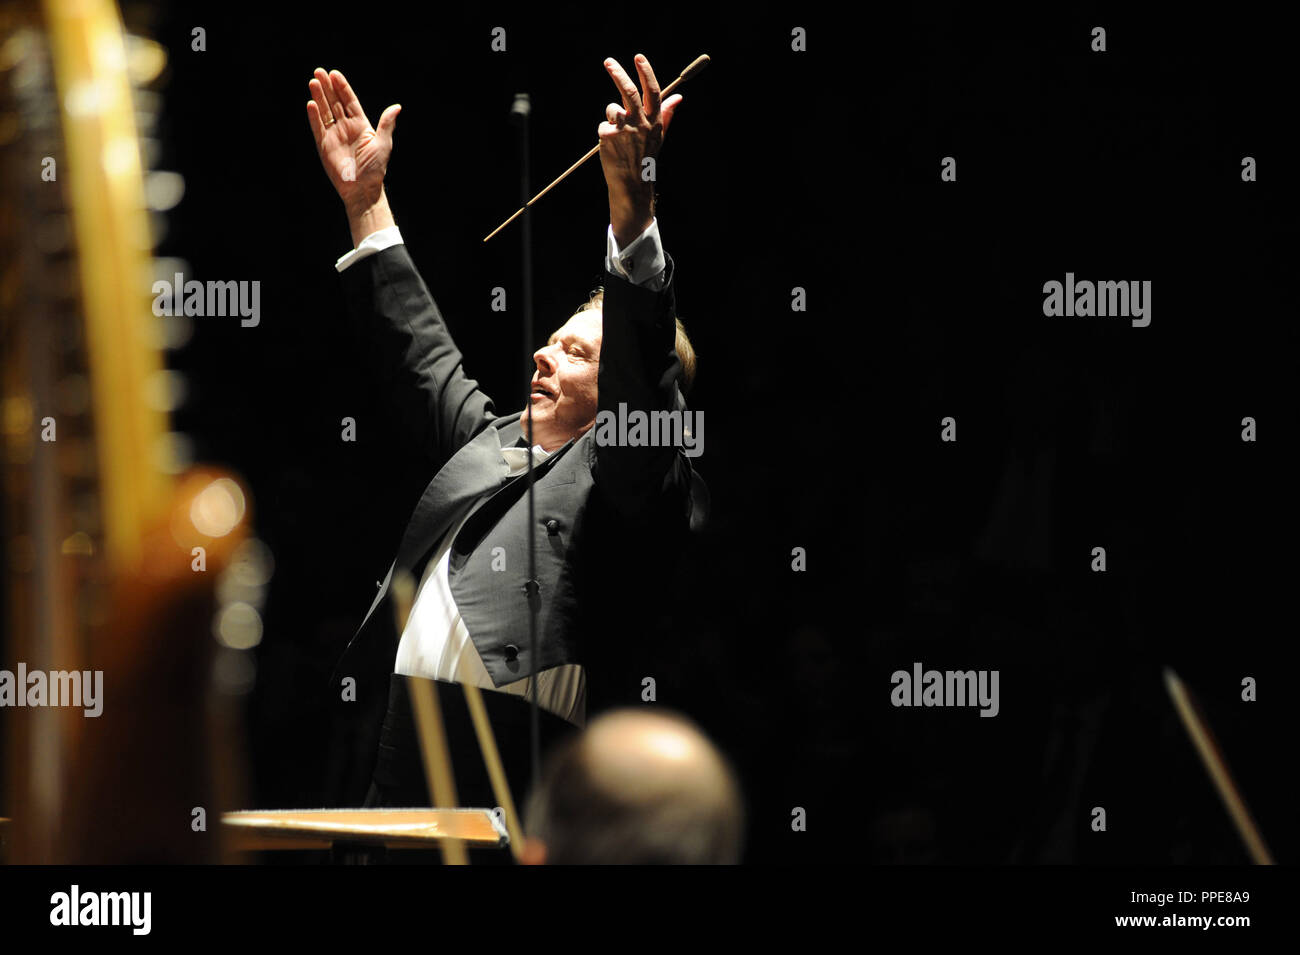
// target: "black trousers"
[[399, 780]]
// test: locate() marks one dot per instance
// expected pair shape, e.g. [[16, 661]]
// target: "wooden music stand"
[[258, 830]]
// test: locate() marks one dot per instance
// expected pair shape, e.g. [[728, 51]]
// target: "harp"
[[112, 554]]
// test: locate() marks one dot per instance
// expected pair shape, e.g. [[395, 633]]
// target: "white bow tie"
[[517, 458]]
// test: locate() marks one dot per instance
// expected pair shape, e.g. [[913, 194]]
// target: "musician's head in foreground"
[[636, 787], [563, 392]]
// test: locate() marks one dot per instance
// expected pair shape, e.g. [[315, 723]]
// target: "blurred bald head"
[[640, 787]]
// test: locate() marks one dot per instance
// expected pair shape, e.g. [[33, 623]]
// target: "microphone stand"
[[520, 112]]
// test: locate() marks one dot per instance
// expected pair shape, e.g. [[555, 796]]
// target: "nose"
[[545, 359]]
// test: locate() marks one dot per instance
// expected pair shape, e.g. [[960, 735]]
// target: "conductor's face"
[[564, 386]]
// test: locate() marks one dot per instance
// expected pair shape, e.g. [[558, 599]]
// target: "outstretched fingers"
[[317, 86], [314, 121], [649, 85], [347, 99], [388, 121], [331, 98], [669, 105], [627, 89]]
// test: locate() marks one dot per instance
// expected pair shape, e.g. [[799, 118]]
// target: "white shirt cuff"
[[375, 242], [642, 262]]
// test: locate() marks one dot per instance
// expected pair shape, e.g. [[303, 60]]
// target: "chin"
[[542, 424]]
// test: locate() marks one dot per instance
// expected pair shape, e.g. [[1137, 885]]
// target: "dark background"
[[821, 170]]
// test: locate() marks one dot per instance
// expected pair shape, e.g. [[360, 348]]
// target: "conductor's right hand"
[[354, 154]]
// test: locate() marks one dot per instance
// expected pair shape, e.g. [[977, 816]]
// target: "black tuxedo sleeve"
[[409, 353], [639, 368]]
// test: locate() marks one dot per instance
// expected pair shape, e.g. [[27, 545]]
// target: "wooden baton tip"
[[699, 63]]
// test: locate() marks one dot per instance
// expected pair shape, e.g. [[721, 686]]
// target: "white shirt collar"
[[517, 459]]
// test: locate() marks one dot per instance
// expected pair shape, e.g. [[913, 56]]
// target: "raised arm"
[[405, 344], [354, 154], [639, 367]]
